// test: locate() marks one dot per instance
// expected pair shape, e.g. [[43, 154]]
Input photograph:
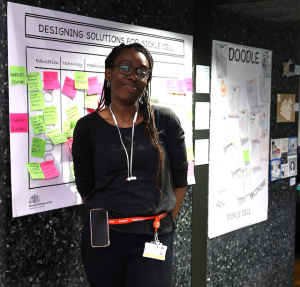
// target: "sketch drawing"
[[266, 62], [265, 89], [221, 60], [233, 101], [233, 156], [275, 168], [244, 182], [285, 108], [226, 132], [264, 118], [264, 146], [252, 93], [255, 154], [293, 141], [254, 125], [243, 125]]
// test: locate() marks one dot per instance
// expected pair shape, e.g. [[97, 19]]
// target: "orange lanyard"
[[156, 223]]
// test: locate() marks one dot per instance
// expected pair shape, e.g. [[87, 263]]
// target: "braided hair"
[[149, 120]]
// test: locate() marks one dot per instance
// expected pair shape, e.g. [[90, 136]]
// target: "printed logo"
[[34, 202], [33, 199]]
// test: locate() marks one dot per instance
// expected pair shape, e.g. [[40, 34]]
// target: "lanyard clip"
[[156, 223]]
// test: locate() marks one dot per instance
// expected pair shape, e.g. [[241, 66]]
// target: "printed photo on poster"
[[264, 118], [266, 62], [275, 169], [264, 146], [292, 165], [243, 125], [254, 126], [285, 108], [293, 142], [233, 101], [252, 93], [284, 170], [285, 145], [221, 60], [275, 151], [265, 89]]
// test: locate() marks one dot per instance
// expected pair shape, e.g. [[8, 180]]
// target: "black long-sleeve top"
[[100, 167]]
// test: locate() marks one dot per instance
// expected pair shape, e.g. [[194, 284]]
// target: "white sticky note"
[[292, 181], [202, 79], [201, 152], [202, 116]]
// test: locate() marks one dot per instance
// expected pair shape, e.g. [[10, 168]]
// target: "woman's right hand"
[[83, 200]]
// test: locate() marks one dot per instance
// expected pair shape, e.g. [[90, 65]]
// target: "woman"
[[130, 159]]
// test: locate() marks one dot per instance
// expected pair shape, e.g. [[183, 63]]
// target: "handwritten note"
[[69, 88], [17, 75], [56, 136], [34, 82], [73, 113], [49, 169], [38, 124], [70, 143], [38, 147], [189, 84], [243, 125], [68, 128], [91, 102], [81, 81], [51, 80], [246, 155], [18, 123], [50, 115], [94, 87], [37, 101], [181, 87], [171, 86], [35, 170]]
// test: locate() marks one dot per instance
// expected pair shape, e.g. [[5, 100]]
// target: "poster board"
[[59, 42], [239, 137]]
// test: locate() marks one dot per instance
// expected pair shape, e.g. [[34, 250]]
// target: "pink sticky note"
[[51, 80], [70, 142], [69, 88], [18, 123], [181, 88], [171, 86], [189, 84], [190, 168], [94, 87], [49, 170]]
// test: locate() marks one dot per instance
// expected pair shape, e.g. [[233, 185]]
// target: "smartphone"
[[99, 228]]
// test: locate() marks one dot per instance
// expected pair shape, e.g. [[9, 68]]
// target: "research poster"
[[56, 73], [239, 137]]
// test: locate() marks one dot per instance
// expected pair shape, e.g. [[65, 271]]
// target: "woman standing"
[[130, 159]]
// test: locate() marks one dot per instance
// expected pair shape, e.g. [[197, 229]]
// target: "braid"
[[149, 120]]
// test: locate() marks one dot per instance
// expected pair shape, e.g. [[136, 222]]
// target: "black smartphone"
[[99, 228]]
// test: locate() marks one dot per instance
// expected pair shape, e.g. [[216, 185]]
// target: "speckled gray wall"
[[44, 249], [261, 254]]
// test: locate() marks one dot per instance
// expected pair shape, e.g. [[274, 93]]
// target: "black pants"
[[122, 263]]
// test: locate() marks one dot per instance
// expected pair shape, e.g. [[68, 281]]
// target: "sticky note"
[[181, 88], [50, 115], [91, 102], [171, 86], [70, 143], [51, 80], [69, 88], [18, 123], [189, 84], [34, 82], [68, 128], [17, 75], [190, 168], [56, 136], [38, 147], [72, 170], [35, 170], [73, 113], [49, 169], [89, 111], [38, 124], [37, 101], [81, 81], [246, 155], [189, 114], [94, 87], [190, 153]]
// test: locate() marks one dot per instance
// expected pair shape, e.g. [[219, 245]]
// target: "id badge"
[[155, 251]]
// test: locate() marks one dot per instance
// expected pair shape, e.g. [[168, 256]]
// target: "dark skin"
[[125, 91]]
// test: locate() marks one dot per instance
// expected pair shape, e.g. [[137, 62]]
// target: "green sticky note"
[[35, 170], [190, 153], [246, 155], [17, 75], [50, 115], [38, 124], [56, 136], [72, 170], [91, 102], [73, 113], [37, 101], [81, 81], [68, 128], [38, 147], [34, 82]]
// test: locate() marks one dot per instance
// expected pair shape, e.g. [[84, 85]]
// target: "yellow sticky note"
[[190, 153], [73, 113], [81, 81], [189, 114], [91, 102]]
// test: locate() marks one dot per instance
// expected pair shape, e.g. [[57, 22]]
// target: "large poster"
[[239, 160], [54, 49]]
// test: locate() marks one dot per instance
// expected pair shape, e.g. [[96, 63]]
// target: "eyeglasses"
[[127, 69]]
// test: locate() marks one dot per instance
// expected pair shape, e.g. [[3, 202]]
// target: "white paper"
[[232, 155], [285, 144], [264, 118], [293, 141], [201, 152], [202, 79], [292, 181], [226, 132], [252, 93], [221, 60], [255, 154], [266, 63], [292, 165], [275, 148], [244, 182], [233, 101], [275, 169], [264, 146], [265, 89], [285, 170], [243, 124], [201, 116], [254, 125]]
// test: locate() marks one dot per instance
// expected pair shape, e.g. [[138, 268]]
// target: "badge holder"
[[155, 249]]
